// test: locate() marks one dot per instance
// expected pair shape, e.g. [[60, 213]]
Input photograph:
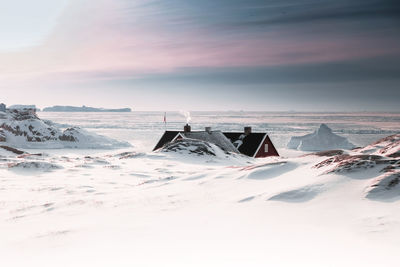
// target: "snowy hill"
[[23, 129], [381, 160], [321, 139]]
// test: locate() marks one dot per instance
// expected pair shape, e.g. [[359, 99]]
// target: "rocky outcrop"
[[383, 156], [388, 146], [385, 152], [13, 150], [22, 128], [350, 163], [68, 135]]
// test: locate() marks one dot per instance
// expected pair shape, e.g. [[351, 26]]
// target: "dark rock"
[[34, 165], [13, 150], [69, 135], [2, 136], [347, 163]]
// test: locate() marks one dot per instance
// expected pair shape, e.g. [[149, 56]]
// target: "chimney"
[[187, 128], [208, 129], [247, 130]]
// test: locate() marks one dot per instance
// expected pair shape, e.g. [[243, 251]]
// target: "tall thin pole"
[[165, 120]]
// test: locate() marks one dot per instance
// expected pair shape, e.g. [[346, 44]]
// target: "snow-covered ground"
[[134, 207]]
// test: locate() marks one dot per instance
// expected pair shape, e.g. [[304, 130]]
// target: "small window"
[[266, 148]]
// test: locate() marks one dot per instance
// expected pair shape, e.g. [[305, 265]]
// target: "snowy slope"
[[182, 206]]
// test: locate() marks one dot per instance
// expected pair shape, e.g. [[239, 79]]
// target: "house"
[[216, 137], [2, 107], [256, 145]]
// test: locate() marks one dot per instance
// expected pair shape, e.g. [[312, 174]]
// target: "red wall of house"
[[271, 149]]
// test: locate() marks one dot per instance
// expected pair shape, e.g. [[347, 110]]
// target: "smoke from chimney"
[[186, 114]]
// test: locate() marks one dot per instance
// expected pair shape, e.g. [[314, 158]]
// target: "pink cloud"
[[92, 38]]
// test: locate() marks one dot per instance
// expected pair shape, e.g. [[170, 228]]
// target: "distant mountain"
[[83, 109]]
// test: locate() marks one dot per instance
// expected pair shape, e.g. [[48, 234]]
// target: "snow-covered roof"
[[215, 137]]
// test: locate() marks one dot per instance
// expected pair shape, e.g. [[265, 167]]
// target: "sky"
[[264, 55]]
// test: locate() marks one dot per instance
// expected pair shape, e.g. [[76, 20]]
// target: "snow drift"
[[23, 129], [321, 139], [385, 186]]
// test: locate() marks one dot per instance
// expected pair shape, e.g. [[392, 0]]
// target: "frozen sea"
[[143, 129]]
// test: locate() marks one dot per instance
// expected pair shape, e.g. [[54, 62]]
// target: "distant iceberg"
[[321, 139], [83, 109]]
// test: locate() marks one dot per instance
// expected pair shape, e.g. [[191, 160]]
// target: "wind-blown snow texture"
[[22, 128], [178, 207], [322, 139]]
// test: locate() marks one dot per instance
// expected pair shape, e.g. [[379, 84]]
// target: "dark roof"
[[250, 144], [167, 137]]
